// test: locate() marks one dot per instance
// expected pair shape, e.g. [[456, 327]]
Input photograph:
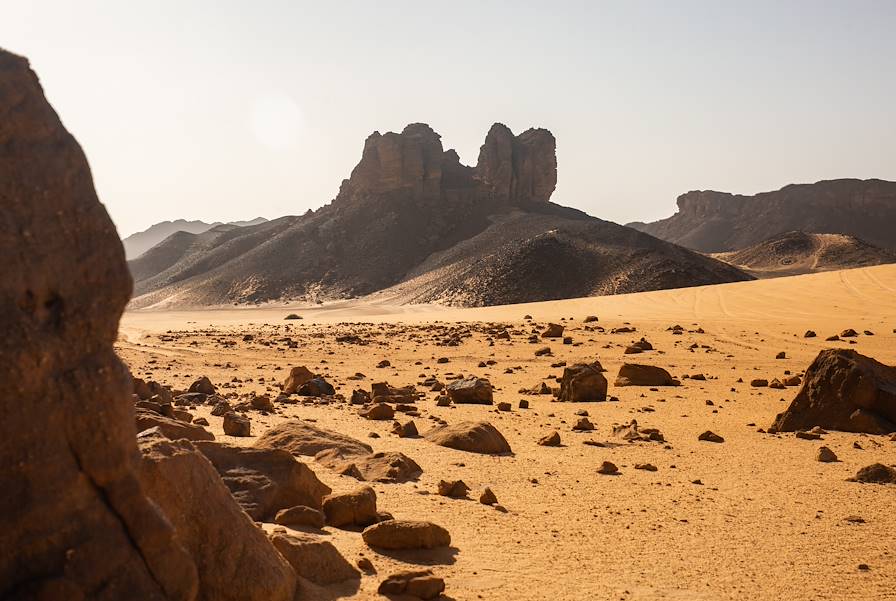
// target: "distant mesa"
[[714, 222], [413, 222]]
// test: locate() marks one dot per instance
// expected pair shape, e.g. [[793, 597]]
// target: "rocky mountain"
[[411, 214], [720, 222], [794, 253], [137, 244]]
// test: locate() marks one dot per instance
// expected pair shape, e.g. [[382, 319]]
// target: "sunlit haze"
[[221, 111]]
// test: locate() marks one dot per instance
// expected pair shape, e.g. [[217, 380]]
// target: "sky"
[[225, 110]]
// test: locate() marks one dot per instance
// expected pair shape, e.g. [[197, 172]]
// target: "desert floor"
[[767, 520]]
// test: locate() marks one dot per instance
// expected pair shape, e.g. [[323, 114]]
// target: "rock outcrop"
[[482, 235], [75, 522], [222, 539], [843, 390], [711, 221]]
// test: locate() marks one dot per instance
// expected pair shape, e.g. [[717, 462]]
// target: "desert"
[[317, 301]]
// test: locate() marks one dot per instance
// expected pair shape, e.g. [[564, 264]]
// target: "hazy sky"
[[221, 110]]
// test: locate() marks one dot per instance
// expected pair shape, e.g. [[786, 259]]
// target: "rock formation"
[[711, 221], [76, 522], [482, 235]]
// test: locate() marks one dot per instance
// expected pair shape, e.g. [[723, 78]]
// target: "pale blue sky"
[[222, 110]]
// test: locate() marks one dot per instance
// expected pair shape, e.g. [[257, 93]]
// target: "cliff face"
[[718, 222]]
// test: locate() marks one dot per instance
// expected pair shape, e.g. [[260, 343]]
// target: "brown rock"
[[608, 468], [297, 376], [357, 508], [474, 437], [222, 539], [170, 428], [300, 515], [421, 584], [583, 382], [825, 455], [554, 330], [314, 558], [518, 169], [843, 390], [633, 374], [237, 425], [386, 467], [75, 524], [304, 438], [379, 412], [203, 386], [264, 481], [488, 497], [406, 534], [551, 440], [710, 436], [476, 391], [876, 473], [456, 489]]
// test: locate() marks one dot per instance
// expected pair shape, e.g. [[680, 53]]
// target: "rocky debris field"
[[498, 459]]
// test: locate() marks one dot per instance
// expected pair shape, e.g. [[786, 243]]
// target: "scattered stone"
[[488, 497], [170, 428], [633, 374], [406, 534], [608, 468], [379, 412], [357, 508], [551, 440], [203, 386], [456, 489], [303, 438], [825, 455], [300, 515], [876, 473], [582, 382], [314, 558], [649, 467], [237, 425], [470, 391], [389, 467], [710, 436], [473, 437], [583, 425], [421, 584], [553, 330], [296, 378]]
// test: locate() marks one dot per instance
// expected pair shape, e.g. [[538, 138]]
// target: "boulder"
[[633, 374], [75, 521], [876, 473], [314, 558], [843, 390], [203, 386], [456, 489], [297, 376], [356, 508], [171, 428], [476, 391], [385, 467], [379, 412], [406, 534], [582, 382], [236, 424], [551, 440], [473, 437], [222, 539], [316, 387], [300, 515], [264, 481], [554, 330], [304, 438], [422, 584]]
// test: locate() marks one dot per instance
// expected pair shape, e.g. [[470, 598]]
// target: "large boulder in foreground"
[[74, 520], [224, 542], [634, 374], [582, 382], [304, 438], [474, 437], [264, 481], [843, 390]]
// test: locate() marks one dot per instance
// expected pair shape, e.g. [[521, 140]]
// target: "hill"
[[412, 214], [794, 253], [711, 221], [137, 244]]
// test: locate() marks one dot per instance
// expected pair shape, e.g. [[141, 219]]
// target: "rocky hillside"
[[720, 222], [794, 253], [137, 244], [412, 214]]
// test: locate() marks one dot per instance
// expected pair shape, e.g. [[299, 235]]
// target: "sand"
[[766, 522]]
